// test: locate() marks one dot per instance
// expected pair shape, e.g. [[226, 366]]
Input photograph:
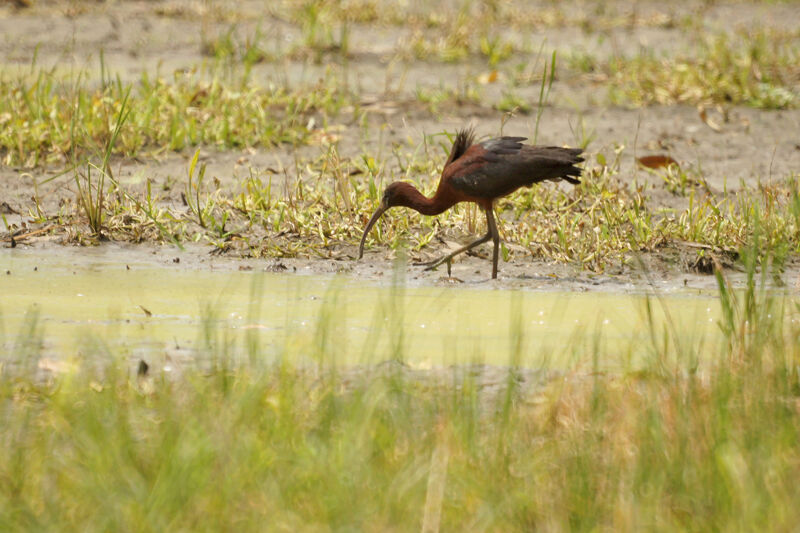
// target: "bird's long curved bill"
[[381, 210]]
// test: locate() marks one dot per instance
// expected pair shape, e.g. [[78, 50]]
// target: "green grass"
[[435, 99], [596, 16], [228, 46], [607, 220], [67, 121], [703, 437], [48, 118], [757, 67]]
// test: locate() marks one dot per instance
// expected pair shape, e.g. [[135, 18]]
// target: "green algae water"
[[173, 314]]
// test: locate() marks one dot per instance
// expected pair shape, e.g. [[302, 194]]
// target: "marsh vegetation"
[[209, 141]]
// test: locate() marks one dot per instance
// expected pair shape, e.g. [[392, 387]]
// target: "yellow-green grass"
[[703, 438], [758, 67], [52, 120], [327, 199], [48, 116], [321, 209], [606, 220]]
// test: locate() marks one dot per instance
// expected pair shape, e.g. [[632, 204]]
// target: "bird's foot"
[[432, 265], [425, 263]]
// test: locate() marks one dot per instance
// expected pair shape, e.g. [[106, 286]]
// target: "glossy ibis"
[[482, 173]]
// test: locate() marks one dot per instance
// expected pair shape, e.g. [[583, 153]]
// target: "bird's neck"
[[427, 206]]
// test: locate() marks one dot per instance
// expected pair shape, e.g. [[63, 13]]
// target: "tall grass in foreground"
[[242, 445]]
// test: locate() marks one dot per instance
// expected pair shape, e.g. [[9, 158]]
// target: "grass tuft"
[[51, 119], [758, 68]]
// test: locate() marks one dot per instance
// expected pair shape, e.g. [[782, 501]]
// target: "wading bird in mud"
[[482, 173]]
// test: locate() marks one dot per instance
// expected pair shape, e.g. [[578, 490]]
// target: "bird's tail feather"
[[573, 173]]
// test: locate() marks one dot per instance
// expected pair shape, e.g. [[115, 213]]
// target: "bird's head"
[[394, 195]]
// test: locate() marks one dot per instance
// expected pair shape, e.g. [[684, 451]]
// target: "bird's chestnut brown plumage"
[[481, 173]]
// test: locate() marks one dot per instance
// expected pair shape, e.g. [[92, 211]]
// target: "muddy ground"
[[750, 145]]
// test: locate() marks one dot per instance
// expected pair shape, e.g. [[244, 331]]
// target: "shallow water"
[[170, 313]]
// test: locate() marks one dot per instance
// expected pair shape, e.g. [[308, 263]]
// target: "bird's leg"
[[491, 234], [496, 238], [449, 257]]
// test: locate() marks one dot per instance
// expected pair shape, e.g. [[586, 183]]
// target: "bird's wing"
[[503, 145], [497, 167]]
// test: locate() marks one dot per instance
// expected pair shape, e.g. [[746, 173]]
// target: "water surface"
[[145, 309]]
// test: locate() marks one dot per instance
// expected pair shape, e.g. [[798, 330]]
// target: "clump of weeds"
[[198, 107], [756, 67]]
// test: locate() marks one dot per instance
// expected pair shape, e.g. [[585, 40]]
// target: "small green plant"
[[436, 99], [512, 103], [495, 50], [193, 188], [222, 47], [679, 181], [91, 194], [582, 61], [319, 34], [544, 92]]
